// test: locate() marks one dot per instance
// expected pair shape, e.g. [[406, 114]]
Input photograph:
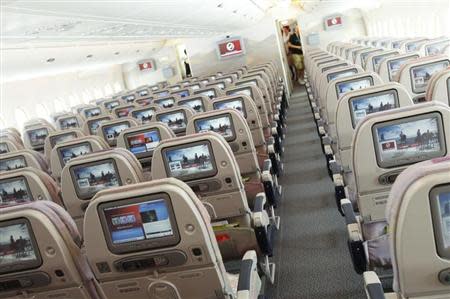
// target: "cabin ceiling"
[[33, 22]]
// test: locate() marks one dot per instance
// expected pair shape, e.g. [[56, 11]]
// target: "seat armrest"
[[372, 285], [260, 217], [271, 145], [267, 166], [249, 283], [349, 213]]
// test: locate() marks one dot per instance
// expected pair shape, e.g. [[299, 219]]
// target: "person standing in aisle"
[[296, 50]]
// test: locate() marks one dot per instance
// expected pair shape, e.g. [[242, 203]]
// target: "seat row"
[[163, 238], [374, 127]]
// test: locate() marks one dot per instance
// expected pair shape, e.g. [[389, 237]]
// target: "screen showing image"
[[12, 163], [327, 68], [124, 112], [221, 125], [344, 87], [220, 85], [395, 65], [376, 60], [210, 93], [92, 112], [162, 93], [195, 86], [410, 47], [143, 93], [205, 81], [364, 57], [189, 161], [422, 74], [365, 105], [166, 103], [145, 116], [176, 120], [67, 123], [129, 98], [175, 88], [13, 191], [409, 141], [143, 142], [94, 124], [327, 61], [195, 104], [244, 91], [3, 148], [89, 179], [113, 131], [67, 153], [395, 45], [54, 140], [17, 247], [448, 93], [234, 104], [37, 137], [336, 75], [229, 80], [437, 48], [444, 218], [111, 105], [183, 93], [144, 102], [137, 222]]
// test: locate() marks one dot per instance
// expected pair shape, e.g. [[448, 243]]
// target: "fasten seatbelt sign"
[[230, 47]]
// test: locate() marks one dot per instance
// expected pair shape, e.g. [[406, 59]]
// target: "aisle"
[[311, 251]]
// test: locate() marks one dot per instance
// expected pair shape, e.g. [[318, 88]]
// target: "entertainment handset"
[[409, 140]]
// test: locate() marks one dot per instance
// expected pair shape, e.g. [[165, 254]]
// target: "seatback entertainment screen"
[[166, 103], [351, 85], [92, 112], [67, 153], [143, 142], [18, 247], [183, 93], [210, 93], [124, 112], [409, 140], [111, 105], [92, 177], [361, 106], [175, 120], [237, 104], [3, 148], [341, 74], [111, 132], [222, 124], [37, 136], [69, 122], [421, 75], [395, 64], [12, 163], [190, 161], [440, 210], [244, 91], [14, 191], [436, 48], [54, 140], [144, 115], [196, 104], [94, 124]]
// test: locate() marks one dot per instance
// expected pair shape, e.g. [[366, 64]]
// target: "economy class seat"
[[379, 154], [110, 130], [27, 184], [34, 136], [90, 127], [83, 177], [56, 137], [231, 125], [438, 88], [63, 152], [176, 118], [207, 164], [351, 110], [171, 253], [45, 259], [23, 158], [417, 213], [198, 103], [374, 59], [142, 140], [415, 75]]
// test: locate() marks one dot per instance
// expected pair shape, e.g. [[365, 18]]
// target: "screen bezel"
[[145, 154], [90, 164], [26, 265], [131, 247], [413, 118], [173, 112], [198, 176], [53, 141], [436, 219], [338, 96], [182, 103], [413, 87], [228, 139], [368, 95], [60, 149], [340, 72], [15, 158], [238, 98]]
